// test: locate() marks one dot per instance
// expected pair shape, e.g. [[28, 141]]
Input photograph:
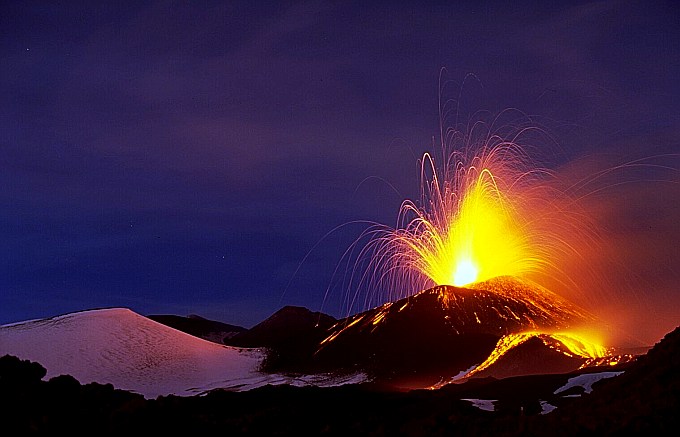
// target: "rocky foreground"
[[644, 399]]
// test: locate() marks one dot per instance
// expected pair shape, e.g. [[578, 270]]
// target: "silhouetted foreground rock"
[[63, 405], [644, 400], [29, 405]]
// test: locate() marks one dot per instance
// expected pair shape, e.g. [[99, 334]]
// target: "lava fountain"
[[485, 211], [473, 224]]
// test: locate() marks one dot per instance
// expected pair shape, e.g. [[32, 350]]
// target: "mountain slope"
[[284, 325], [437, 333], [644, 400], [125, 349], [291, 335]]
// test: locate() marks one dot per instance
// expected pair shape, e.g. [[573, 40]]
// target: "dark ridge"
[[291, 334], [421, 340], [199, 327], [434, 335], [282, 326], [644, 400], [424, 340]]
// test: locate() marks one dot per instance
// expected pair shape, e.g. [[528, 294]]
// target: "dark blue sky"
[[177, 158]]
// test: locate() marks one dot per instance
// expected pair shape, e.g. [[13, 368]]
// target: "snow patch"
[[546, 407], [460, 375], [483, 404], [463, 373], [263, 379], [586, 381]]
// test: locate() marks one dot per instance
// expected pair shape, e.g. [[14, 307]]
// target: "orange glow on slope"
[[570, 344], [579, 345]]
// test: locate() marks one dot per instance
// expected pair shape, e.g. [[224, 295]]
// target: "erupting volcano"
[[489, 223]]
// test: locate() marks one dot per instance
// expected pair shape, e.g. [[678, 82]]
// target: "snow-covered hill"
[[132, 352]]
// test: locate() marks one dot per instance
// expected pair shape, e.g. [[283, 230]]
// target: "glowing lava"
[[466, 273], [569, 344], [480, 216], [472, 231]]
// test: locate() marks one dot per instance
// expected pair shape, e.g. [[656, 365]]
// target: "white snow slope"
[[586, 381], [483, 404], [121, 347]]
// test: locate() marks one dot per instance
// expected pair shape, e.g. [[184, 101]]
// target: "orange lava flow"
[[570, 344]]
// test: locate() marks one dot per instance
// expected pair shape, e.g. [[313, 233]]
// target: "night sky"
[[184, 158]]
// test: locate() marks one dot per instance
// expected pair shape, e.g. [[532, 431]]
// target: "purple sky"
[[184, 159]]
